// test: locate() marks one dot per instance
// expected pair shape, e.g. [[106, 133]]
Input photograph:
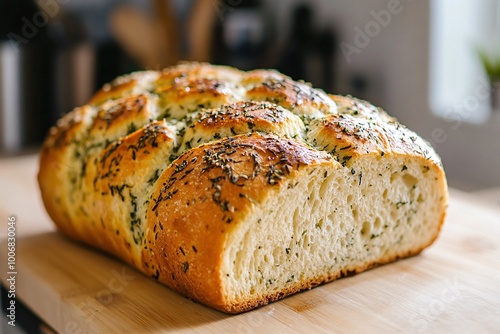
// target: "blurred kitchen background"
[[433, 64]]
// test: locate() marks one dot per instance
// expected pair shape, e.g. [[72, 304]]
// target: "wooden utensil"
[[136, 33], [155, 42]]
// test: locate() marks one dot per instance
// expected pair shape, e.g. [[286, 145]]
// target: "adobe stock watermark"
[[222, 8], [373, 28], [87, 310], [31, 25], [437, 306], [462, 110], [11, 271]]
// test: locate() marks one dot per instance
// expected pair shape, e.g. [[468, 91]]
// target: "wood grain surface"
[[454, 286]]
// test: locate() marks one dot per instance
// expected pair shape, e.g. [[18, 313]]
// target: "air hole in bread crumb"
[[377, 223], [296, 218], [323, 190], [319, 224], [342, 225], [366, 229], [278, 255], [384, 194], [331, 217], [312, 198], [355, 214], [420, 199], [410, 181], [394, 213], [349, 199], [328, 226], [342, 242], [312, 185]]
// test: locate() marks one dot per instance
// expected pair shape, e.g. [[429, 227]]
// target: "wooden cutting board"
[[454, 286]]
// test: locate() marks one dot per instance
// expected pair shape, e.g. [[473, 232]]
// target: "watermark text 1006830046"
[[11, 270]]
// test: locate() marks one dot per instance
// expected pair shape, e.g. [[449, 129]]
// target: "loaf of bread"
[[239, 188]]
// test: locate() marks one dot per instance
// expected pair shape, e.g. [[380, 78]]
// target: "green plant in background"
[[491, 66]]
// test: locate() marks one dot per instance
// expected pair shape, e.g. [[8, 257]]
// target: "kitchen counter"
[[453, 286]]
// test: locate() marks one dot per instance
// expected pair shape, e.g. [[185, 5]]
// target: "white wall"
[[396, 63]]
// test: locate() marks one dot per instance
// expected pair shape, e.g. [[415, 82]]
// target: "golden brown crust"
[[352, 106], [69, 128], [204, 195], [58, 164], [121, 111], [116, 176], [347, 135], [252, 114], [184, 88], [188, 71], [289, 94], [133, 180], [132, 84], [113, 92], [240, 118]]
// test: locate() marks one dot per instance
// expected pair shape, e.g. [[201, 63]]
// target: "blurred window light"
[[460, 30]]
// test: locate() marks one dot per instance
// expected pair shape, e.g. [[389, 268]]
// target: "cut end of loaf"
[[331, 222]]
